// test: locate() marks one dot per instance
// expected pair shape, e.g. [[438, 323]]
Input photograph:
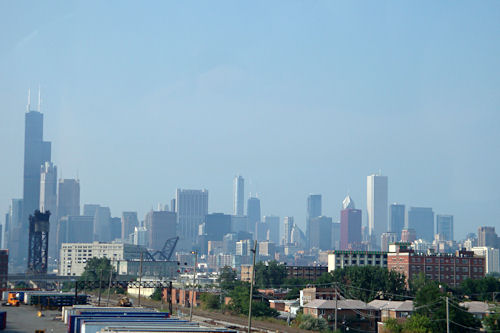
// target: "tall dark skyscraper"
[[253, 213], [396, 218], [422, 220], [191, 208], [313, 210], [129, 222], [444, 225], [36, 153]]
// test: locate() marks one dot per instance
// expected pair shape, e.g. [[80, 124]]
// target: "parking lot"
[[24, 319]]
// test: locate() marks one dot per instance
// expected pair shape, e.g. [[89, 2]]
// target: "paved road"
[[24, 319]]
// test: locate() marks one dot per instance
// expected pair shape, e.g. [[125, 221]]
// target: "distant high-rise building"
[[75, 229], [239, 223], [102, 224], [313, 210], [444, 225], [335, 236], [191, 208], [48, 202], [48, 188], [486, 236], [140, 236], [408, 235], [350, 225], [68, 199], [90, 209], [36, 153], [260, 233], [377, 194], [217, 225], [396, 218], [422, 221], [320, 232], [160, 226], [129, 222], [238, 196], [115, 228], [386, 239], [253, 213], [229, 243], [273, 227], [15, 234], [288, 224]]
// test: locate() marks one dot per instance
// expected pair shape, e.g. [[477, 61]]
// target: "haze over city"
[[299, 98]]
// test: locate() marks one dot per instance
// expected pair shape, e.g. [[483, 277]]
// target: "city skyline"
[[293, 114]]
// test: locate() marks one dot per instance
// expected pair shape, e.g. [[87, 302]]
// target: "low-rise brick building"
[[447, 268]]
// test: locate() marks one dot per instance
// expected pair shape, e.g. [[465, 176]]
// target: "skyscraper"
[[102, 224], [68, 199], [253, 213], [396, 218], [350, 225], [486, 236], [129, 223], [48, 201], [320, 232], [160, 226], [273, 228], [421, 219], [376, 202], [313, 210], [36, 153], [217, 225], [238, 196], [15, 235], [386, 239], [444, 225], [191, 208], [288, 224]]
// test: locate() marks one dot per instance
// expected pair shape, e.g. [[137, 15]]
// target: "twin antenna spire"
[[28, 107]]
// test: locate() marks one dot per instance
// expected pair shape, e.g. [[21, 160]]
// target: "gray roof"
[[477, 307], [347, 304], [406, 306]]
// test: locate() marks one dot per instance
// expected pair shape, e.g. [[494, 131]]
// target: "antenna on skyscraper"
[[29, 100], [39, 99]]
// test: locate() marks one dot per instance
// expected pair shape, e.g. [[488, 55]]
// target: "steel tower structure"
[[38, 247]]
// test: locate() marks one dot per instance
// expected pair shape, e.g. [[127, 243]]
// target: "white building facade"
[[376, 204]]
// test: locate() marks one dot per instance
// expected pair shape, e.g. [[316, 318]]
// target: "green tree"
[[367, 282], [482, 289], [239, 302], [393, 326], [157, 294], [492, 321], [308, 322], [417, 323], [210, 301], [430, 303], [271, 275], [93, 269], [227, 278]]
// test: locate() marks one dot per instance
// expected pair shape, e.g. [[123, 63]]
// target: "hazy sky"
[[298, 96]]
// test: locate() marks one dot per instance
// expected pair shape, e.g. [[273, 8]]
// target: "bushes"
[[308, 322]]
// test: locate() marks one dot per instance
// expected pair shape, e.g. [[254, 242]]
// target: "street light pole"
[[192, 288], [254, 250]]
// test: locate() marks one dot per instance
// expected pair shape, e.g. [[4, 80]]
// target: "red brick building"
[[446, 268], [182, 297]]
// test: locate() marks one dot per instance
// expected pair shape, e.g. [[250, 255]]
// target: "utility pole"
[[194, 282], [336, 297], [447, 317], [100, 285], [140, 279], [254, 250], [169, 298], [109, 284]]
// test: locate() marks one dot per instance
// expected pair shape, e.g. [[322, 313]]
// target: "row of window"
[[446, 260]]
